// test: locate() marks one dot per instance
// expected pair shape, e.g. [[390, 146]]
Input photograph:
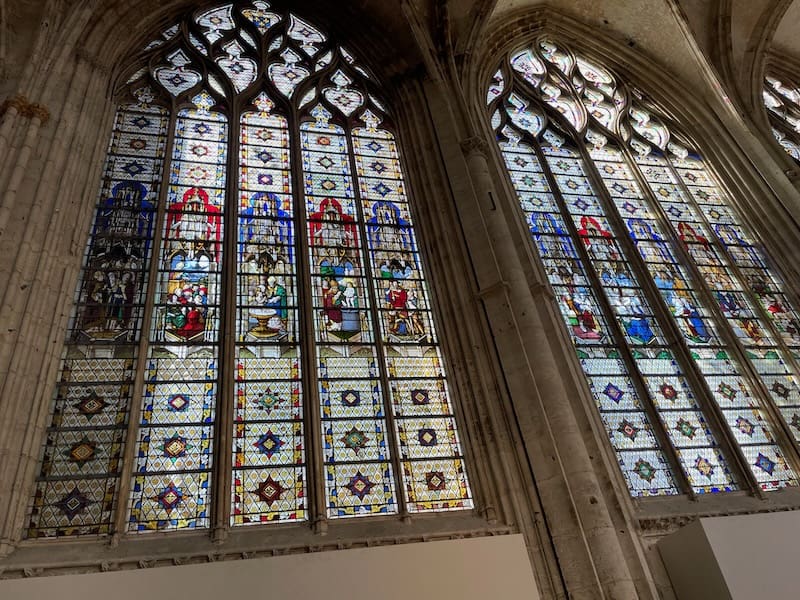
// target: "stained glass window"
[[782, 100], [683, 328], [253, 339]]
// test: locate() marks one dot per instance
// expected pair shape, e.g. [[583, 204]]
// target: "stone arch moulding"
[[97, 52]]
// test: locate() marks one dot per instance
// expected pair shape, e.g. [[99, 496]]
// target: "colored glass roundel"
[[685, 335], [217, 290]]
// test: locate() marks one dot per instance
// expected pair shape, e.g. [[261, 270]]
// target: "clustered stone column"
[[46, 201]]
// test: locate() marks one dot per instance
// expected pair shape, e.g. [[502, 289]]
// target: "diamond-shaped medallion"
[[82, 452], [420, 397], [360, 485], [328, 185], [178, 402], [613, 392], [644, 470], [269, 444], [170, 497], [628, 429], [745, 426], [73, 503], [765, 464], [427, 437], [351, 398], [726, 391], [704, 466], [325, 162], [355, 439], [90, 405], [269, 491], [685, 428], [175, 447], [435, 480]]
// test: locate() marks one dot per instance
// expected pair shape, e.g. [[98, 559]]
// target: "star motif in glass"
[[264, 156], [137, 144], [133, 168], [174, 447], [269, 491], [378, 166], [73, 503], [745, 426], [202, 129], [668, 392], [381, 189], [685, 428], [435, 481], [360, 485], [375, 146], [170, 497], [141, 122], [675, 211], [269, 444], [726, 391], [91, 405], [629, 208], [268, 401], [704, 466], [628, 429], [199, 150], [780, 390], [355, 439], [580, 204], [265, 179], [765, 464]]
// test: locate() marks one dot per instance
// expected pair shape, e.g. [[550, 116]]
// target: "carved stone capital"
[[475, 145], [25, 108]]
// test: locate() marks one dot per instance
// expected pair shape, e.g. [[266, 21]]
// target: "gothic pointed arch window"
[[253, 338], [782, 100], [686, 334]]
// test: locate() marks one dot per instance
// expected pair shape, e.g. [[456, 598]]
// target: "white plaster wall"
[[476, 569], [745, 557]]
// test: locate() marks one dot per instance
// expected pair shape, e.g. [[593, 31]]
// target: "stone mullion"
[[312, 414], [26, 285], [222, 465]]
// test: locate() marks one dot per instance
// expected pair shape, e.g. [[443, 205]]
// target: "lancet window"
[[685, 331], [253, 338]]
